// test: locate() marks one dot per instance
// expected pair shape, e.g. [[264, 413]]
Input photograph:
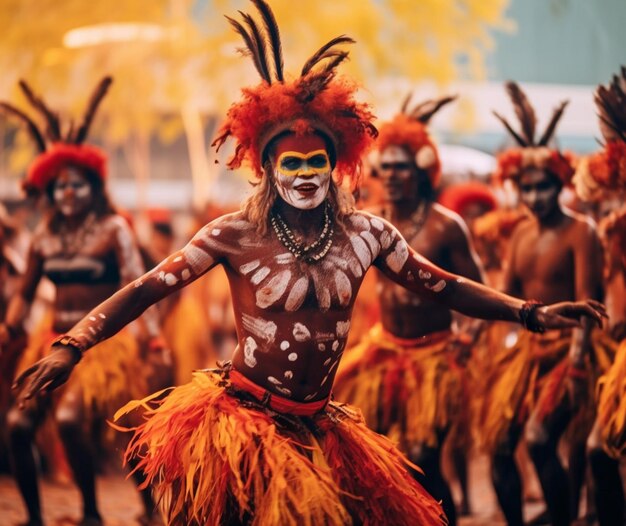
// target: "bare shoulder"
[[229, 225], [582, 228], [364, 220], [451, 223]]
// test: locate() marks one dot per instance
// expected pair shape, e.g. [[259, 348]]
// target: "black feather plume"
[[273, 34], [321, 53], [96, 97], [53, 129], [30, 125]]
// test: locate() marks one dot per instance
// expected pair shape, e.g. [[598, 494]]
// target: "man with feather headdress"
[[600, 177], [403, 375], [544, 382], [258, 441]]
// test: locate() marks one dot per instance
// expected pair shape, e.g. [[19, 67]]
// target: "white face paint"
[[302, 170], [71, 192], [303, 192]]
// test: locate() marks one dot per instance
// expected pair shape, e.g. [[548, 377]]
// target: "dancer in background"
[[601, 177], [541, 384], [88, 252], [404, 375]]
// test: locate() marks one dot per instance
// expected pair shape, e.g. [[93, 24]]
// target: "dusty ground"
[[120, 504]]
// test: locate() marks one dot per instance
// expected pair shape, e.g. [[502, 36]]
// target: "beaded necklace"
[[73, 241], [309, 253]]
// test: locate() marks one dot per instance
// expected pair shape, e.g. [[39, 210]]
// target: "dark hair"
[[101, 204]]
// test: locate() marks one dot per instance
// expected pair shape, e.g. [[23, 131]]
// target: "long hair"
[[257, 208], [101, 203]]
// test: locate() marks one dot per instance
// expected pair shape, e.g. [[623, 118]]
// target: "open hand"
[[48, 373], [570, 314]]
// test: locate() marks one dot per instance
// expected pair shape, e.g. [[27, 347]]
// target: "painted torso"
[[103, 260], [293, 317]]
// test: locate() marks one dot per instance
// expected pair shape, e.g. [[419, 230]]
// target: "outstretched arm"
[[398, 261], [178, 270]]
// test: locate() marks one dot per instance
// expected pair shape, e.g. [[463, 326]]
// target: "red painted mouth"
[[306, 188]]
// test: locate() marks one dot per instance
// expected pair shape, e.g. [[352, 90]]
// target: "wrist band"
[[528, 316], [69, 341]]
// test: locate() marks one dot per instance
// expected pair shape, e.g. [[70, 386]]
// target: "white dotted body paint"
[[360, 222], [377, 223], [284, 259], [249, 267], [260, 275], [273, 380], [283, 390], [362, 251], [259, 327], [372, 242], [273, 290], [311, 396], [297, 294], [344, 288], [289, 375], [385, 240], [198, 259], [424, 275], [292, 357], [342, 328], [437, 287], [301, 333], [321, 346], [284, 345], [216, 232], [395, 260], [335, 345], [248, 352], [185, 274], [170, 279]]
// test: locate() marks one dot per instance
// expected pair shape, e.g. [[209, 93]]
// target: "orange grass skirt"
[[531, 376], [407, 390], [612, 405], [214, 455]]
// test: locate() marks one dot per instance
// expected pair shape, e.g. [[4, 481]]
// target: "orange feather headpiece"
[[63, 151], [316, 101], [409, 129], [606, 170], [531, 153]]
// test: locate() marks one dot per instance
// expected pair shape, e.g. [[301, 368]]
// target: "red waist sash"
[[278, 403]]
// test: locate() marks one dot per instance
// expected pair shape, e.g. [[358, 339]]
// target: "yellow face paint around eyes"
[[303, 168]]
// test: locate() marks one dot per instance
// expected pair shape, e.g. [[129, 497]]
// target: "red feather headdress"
[[317, 100], [531, 153], [409, 129], [63, 151]]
